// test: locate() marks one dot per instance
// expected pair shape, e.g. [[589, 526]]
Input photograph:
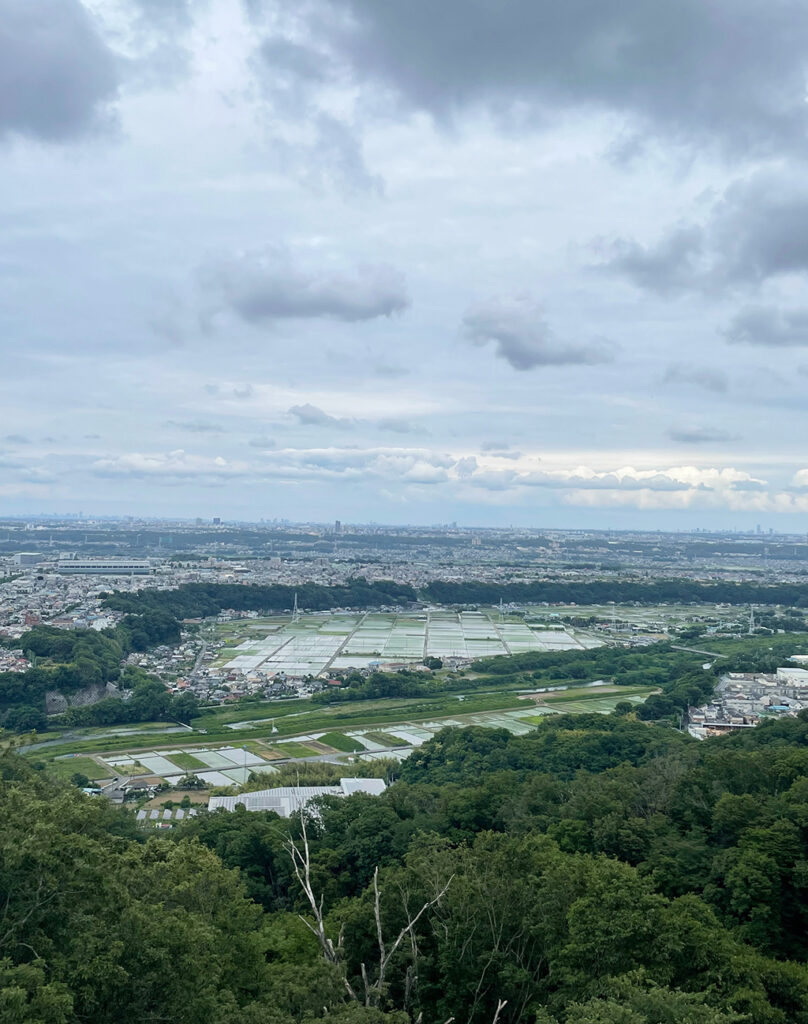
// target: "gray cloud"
[[195, 426], [172, 13], [390, 372], [768, 326], [700, 435], [263, 442], [698, 376], [672, 265], [17, 439], [500, 449], [395, 425], [749, 485], [56, 75], [310, 416], [269, 284], [516, 326], [714, 73], [292, 75], [757, 230]]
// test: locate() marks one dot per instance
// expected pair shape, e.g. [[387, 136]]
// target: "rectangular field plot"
[[316, 643], [157, 764]]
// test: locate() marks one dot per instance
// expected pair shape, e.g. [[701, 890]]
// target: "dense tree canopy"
[[657, 591], [598, 870], [195, 600]]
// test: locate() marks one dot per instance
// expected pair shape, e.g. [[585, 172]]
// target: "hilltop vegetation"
[[597, 871], [70, 660], [659, 591], [198, 600]]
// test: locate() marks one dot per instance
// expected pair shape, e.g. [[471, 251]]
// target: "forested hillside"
[[599, 870], [657, 591], [194, 600]]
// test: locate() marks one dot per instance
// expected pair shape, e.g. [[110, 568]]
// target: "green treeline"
[[680, 591], [678, 674], [199, 600], [598, 870], [70, 660]]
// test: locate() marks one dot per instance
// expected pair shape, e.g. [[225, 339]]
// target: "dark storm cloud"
[[270, 284], [757, 230], [769, 326], [700, 435], [56, 75], [725, 72], [516, 326], [698, 376]]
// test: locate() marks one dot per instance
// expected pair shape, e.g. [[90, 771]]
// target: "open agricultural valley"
[[381, 730], [311, 644]]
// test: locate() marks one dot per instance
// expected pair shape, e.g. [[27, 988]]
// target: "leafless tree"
[[333, 952]]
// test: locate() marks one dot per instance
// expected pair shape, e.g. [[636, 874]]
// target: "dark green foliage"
[[195, 600], [67, 661], [150, 702], [599, 870], [659, 591]]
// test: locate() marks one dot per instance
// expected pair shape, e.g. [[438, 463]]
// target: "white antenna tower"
[[295, 611], [501, 611], [751, 619], [614, 617]]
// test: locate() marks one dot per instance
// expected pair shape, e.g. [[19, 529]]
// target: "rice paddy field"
[[382, 729], [650, 618], [316, 643]]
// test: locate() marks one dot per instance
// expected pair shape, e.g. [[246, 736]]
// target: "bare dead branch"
[[501, 1004]]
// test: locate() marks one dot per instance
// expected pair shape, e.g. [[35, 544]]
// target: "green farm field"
[[69, 766]]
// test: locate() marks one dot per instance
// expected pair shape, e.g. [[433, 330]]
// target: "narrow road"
[[198, 663], [695, 650]]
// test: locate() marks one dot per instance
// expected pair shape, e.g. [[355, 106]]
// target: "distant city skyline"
[[338, 260]]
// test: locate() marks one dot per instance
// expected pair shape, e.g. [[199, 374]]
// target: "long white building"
[[104, 567], [287, 800]]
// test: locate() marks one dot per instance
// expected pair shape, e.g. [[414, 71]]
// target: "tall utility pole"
[[751, 619], [295, 611]]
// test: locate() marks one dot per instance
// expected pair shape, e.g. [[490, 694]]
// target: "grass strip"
[[188, 762], [347, 744]]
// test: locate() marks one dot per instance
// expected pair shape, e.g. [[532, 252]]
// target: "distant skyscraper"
[[337, 526]]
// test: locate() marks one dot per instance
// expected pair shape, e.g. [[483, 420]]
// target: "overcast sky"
[[406, 261]]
